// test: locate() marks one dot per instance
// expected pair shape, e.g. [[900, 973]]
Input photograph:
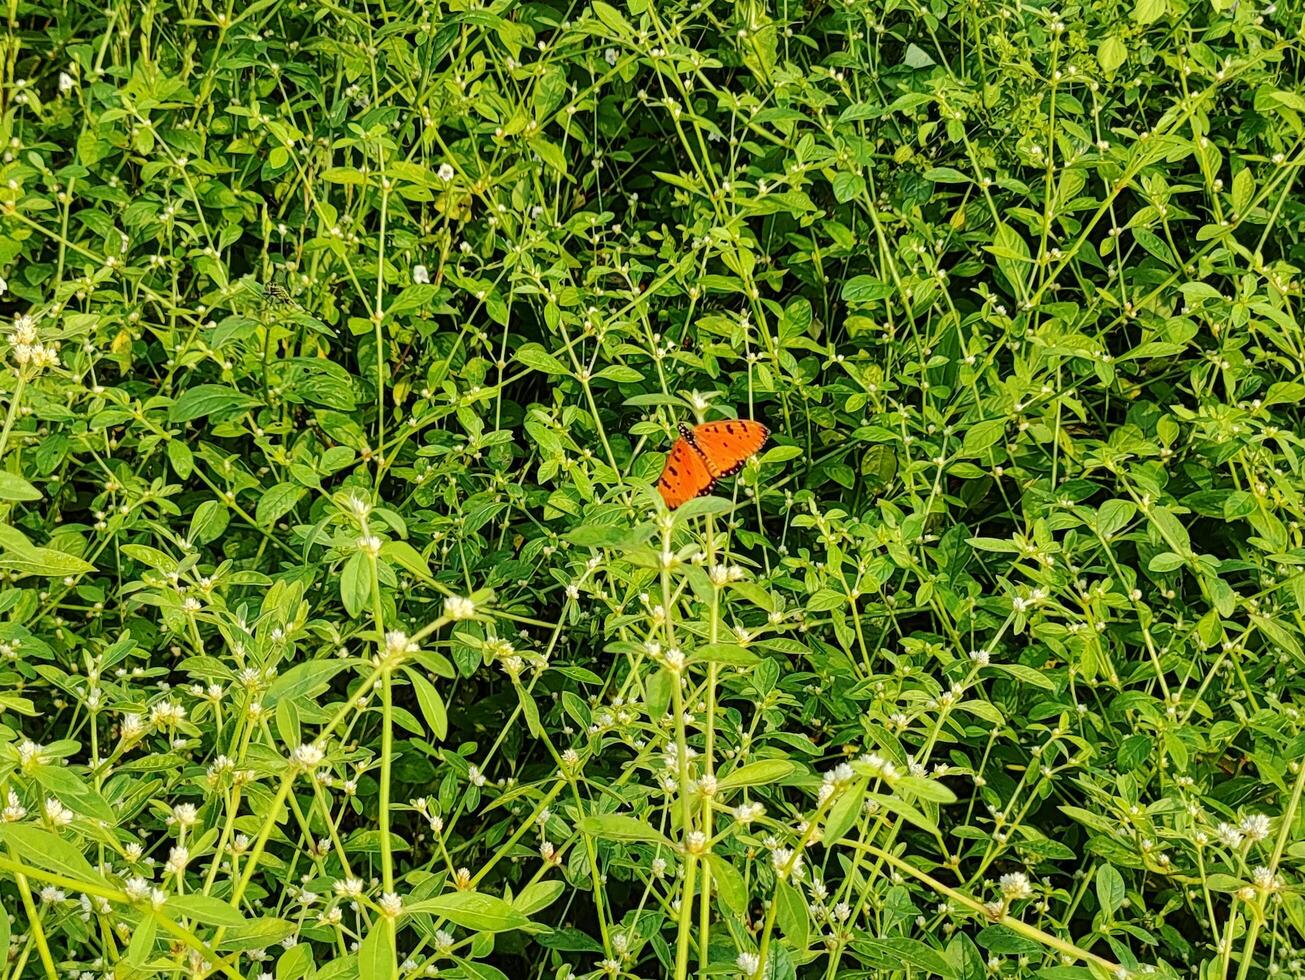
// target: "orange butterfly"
[[705, 453]]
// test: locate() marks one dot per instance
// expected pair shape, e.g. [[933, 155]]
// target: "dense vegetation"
[[343, 632]]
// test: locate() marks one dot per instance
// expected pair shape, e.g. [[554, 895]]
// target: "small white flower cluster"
[[1255, 826], [459, 607], [836, 779], [1015, 885], [398, 645], [724, 574], [139, 890], [56, 814], [746, 813], [879, 767], [14, 809], [29, 755], [27, 347], [307, 756], [167, 714], [184, 815], [787, 863]]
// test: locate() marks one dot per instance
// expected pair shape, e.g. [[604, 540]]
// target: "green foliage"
[[343, 633]]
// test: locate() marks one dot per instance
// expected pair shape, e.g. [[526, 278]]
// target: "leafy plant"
[[344, 633]]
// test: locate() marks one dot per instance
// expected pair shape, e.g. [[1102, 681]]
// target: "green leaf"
[[431, 704], [614, 20], [276, 502], [472, 910], [141, 947], [295, 963], [618, 826], [982, 436], [903, 809], [376, 957], [305, 680], [1001, 939], [256, 934], [729, 884], [730, 654], [1112, 53], [1165, 561], [845, 811], [535, 357], [406, 556], [898, 951], [14, 487], [791, 915], [356, 583], [929, 790], [1027, 675], [538, 895], [759, 773], [204, 400], [208, 522], [865, 289], [1012, 254], [33, 845], [205, 909], [1110, 889], [1149, 11]]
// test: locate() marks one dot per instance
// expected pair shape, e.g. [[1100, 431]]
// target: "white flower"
[[50, 894], [476, 776], [66, 82], [138, 889], [1266, 880], [610, 56], [57, 814], [745, 813], [443, 941], [24, 330], [390, 905], [1015, 885], [748, 964], [178, 857], [445, 172], [420, 274], [349, 887], [1229, 835], [458, 607], [167, 714], [1255, 826], [15, 810], [786, 863], [185, 814], [308, 755]]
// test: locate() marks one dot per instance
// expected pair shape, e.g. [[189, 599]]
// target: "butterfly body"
[[706, 453]]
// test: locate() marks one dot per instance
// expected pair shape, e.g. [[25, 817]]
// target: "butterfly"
[[705, 453]]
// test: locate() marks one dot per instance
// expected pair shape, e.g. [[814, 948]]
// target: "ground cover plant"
[[343, 632]]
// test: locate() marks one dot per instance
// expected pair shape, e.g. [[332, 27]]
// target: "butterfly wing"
[[727, 445], [685, 475]]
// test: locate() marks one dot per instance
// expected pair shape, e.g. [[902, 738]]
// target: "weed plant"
[[343, 634]]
